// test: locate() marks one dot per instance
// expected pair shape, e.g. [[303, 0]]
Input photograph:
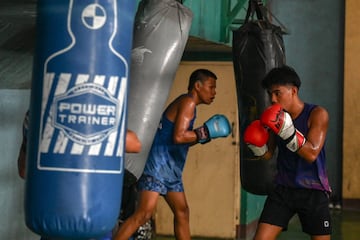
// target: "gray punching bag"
[[257, 48], [161, 31]]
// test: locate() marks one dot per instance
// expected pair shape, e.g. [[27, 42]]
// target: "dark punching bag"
[[78, 117], [257, 48]]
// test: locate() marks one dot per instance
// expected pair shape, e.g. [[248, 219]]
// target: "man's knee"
[[141, 217]]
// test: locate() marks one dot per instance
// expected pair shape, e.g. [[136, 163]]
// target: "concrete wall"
[[13, 105]]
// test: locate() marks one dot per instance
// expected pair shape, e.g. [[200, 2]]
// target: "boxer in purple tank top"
[[298, 131]]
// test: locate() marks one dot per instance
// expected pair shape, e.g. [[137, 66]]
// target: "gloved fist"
[[215, 127], [280, 123], [256, 137]]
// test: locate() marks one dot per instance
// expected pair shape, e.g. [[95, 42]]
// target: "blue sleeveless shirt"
[[166, 159], [293, 170]]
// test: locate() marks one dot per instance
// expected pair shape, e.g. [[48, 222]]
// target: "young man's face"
[[206, 90], [282, 94]]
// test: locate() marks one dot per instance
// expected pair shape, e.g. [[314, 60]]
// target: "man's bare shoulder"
[[319, 114], [186, 101], [183, 104], [321, 111]]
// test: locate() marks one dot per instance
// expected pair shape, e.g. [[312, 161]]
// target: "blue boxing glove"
[[215, 127]]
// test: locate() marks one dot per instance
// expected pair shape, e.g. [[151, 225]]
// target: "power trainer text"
[[93, 114]]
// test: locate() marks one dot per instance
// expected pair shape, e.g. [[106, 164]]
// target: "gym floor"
[[346, 226]]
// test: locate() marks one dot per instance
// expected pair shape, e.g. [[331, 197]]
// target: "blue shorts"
[[150, 183]]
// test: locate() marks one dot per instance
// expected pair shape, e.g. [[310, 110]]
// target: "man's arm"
[[22, 159], [315, 139], [132, 142], [184, 115], [22, 152], [309, 146], [271, 147]]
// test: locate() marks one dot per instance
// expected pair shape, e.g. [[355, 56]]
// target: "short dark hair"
[[200, 75], [283, 75]]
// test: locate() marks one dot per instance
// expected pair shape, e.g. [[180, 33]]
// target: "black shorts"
[[312, 207]]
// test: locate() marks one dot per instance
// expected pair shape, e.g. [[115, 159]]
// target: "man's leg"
[[267, 231], [320, 237], [147, 204], [316, 219], [178, 204], [276, 214]]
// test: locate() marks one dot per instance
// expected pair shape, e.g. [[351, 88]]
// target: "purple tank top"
[[294, 171]]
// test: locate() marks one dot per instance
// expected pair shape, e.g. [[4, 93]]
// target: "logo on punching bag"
[[94, 16], [86, 123], [84, 95]]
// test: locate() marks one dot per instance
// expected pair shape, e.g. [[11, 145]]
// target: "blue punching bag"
[[78, 117]]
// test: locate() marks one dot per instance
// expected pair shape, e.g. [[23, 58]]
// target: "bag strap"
[[258, 7], [261, 13]]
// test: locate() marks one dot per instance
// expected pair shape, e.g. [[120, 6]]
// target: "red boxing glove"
[[256, 137], [280, 122]]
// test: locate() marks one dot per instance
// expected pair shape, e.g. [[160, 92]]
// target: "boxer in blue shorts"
[[163, 170], [298, 130]]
